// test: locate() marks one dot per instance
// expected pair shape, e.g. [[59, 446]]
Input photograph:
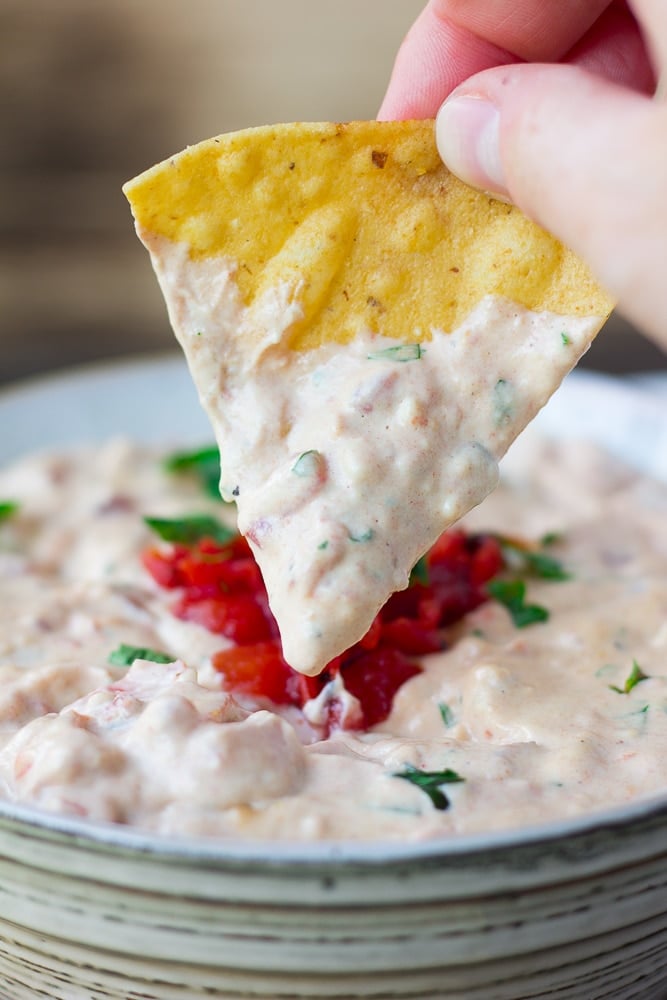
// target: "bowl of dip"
[[158, 841]]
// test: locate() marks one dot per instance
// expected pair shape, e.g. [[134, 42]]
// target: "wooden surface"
[[94, 93]]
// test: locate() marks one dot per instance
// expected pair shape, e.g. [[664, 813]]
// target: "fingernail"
[[467, 132]]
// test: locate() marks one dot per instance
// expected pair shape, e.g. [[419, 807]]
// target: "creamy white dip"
[[533, 723], [347, 463]]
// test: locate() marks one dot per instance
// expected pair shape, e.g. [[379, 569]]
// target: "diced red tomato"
[[237, 616], [450, 550], [373, 636], [487, 560], [223, 591], [259, 670], [163, 567], [408, 635], [374, 678]]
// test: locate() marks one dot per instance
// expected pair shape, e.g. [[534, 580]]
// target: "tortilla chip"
[[368, 335], [364, 223]]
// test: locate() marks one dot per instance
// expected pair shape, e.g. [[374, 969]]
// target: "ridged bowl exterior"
[[578, 912]]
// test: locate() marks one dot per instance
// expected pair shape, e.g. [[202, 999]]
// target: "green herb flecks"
[[524, 559], [400, 352], [503, 402], [431, 783], [308, 464], [365, 536], [7, 508], [566, 339], [323, 545], [189, 530], [512, 594], [446, 713], [635, 677], [203, 463], [420, 573], [124, 655]]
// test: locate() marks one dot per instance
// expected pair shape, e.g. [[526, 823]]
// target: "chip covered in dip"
[[368, 335]]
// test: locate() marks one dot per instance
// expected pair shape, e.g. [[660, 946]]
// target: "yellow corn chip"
[[365, 216], [368, 335]]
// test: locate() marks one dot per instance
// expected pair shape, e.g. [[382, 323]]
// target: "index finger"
[[453, 39]]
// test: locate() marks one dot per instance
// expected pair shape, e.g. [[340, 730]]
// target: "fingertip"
[[467, 132], [435, 57]]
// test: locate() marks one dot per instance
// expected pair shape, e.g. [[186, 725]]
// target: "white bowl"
[[88, 911]]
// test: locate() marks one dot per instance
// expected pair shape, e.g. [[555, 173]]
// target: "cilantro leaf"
[[188, 530], [308, 463], [635, 677], [446, 713], [532, 561], [124, 655], [503, 402], [204, 463], [400, 352], [365, 536], [420, 573], [7, 508], [431, 783], [512, 594]]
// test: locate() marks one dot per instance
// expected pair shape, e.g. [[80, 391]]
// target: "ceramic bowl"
[[88, 911]]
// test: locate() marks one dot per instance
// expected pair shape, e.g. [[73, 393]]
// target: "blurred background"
[[93, 93]]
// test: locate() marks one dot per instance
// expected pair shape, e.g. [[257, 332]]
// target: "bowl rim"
[[369, 853], [110, 836]]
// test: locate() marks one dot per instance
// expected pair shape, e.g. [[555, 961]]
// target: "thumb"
[[584, 158]]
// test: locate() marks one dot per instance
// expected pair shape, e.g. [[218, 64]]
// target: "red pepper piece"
[[409, 636], [237, 616], [374, 678], [260, 671], [222, 590], [487, 559], [163, 566]]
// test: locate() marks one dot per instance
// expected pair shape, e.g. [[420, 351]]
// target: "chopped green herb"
[[446, 713], [546, 566], [565, 337], [419, 572], [635, 677], [478, 633], [512, 594], [124, 656], [503, 402], [204, 463], [523, 558], [366, 536], [308, 463], [431, 783], [188, 530], [323, 545], [551, 538], [401, 352], [7, 508]]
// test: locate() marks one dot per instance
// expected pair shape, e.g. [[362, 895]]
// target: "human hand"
[[578, 145]]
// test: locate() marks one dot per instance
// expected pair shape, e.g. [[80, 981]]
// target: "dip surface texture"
[[559, 718], [346, 463]]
